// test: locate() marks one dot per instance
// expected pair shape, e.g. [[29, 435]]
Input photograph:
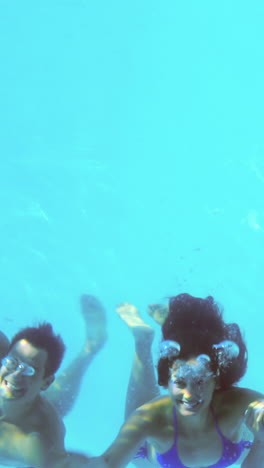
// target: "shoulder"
[[141, 425], [157, 404], [154, 411], [47, 423], [241, 395], [152, 420], [236, 399]]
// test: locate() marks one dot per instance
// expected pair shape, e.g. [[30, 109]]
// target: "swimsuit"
[[170, 459]]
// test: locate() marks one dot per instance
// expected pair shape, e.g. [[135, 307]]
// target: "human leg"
[[64, 391], [142, 385], [158, 312]]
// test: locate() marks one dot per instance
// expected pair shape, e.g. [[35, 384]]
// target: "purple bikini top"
[[231, 450]]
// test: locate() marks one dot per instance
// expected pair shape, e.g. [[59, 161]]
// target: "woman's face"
[[191, 384]]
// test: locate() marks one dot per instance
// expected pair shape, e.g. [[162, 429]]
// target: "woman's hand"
[[254, 418]]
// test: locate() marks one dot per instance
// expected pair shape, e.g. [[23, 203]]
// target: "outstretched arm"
[[132, 434]]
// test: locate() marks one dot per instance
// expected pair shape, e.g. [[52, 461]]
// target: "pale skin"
[[142, 385], [64, 390], [32, 433], [199, 444]]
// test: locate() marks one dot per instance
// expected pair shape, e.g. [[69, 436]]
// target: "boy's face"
[[22, 374]]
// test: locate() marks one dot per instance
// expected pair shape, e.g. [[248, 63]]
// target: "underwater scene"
[[132, 171]]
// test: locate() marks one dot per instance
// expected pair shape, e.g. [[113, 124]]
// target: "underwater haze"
[[132, 169]]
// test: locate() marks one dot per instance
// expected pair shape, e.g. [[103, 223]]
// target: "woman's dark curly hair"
[[197, 324]]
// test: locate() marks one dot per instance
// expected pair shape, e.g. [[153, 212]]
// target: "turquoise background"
[[132, 168]]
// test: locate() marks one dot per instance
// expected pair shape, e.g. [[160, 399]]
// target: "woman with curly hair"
[[201, 421]]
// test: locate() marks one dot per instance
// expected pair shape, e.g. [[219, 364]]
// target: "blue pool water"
[[131, 168]]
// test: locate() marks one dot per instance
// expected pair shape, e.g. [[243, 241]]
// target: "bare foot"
[[130, 315], [158, 312], [95, 321]]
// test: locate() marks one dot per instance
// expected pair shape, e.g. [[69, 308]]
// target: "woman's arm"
[[255, 458], [131, 435], [254, 419]]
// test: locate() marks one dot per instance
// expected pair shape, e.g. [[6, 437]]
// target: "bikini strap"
[[175, 425], [216, 423]]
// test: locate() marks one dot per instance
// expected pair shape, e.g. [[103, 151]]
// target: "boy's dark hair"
[[197, 324], [43, 337]]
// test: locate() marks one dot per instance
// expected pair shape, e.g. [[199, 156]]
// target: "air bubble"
[[226, 351], [169, 349]]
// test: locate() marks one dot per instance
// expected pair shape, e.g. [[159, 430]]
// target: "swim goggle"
[[13, 365]]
